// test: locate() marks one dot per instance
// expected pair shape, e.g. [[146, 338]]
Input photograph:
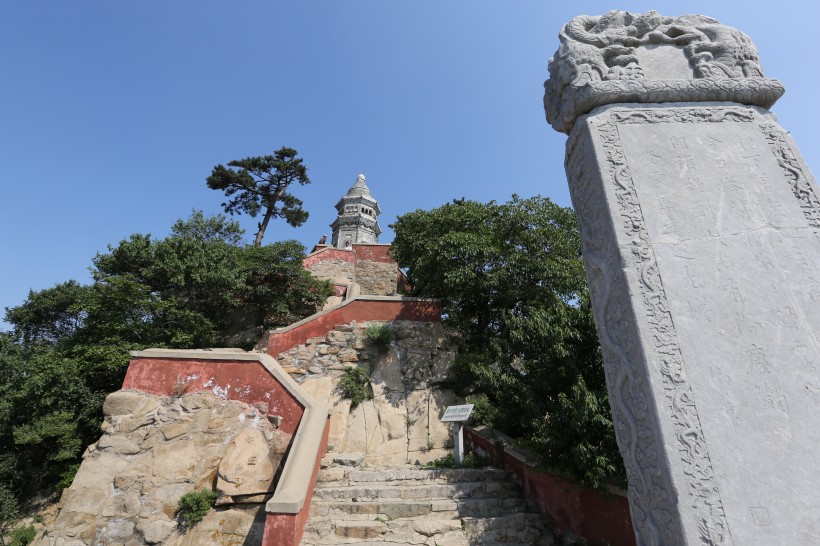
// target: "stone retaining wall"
[[401, 423], [368, 266]]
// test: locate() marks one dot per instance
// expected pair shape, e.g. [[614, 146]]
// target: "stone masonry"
[[401, 423], [377, 278], [337, 271], [365, 269]]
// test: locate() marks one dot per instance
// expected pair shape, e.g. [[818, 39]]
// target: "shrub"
[[193, 506], [380, 335], [22, 536], [449, 461], [355, 385]]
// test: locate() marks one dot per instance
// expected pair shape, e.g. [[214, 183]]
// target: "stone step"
[[388, 490], [397, 509], [521, 528], [417, 531], [430, 507], [524, 528], [447, 475], [329, 477]]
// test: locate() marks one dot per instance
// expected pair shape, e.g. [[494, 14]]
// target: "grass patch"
[[380, 335], [21, 536]]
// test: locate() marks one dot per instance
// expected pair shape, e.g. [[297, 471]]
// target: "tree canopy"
[[198, 287], [511, 281], [260, 184]]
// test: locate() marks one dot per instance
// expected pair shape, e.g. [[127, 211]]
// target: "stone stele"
[[700, 226]]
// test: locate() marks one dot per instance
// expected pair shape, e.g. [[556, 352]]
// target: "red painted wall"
[[329, 253], [373, 253], [287, 529], [358, 310], [246, 381], [598, 517], [359, 252]]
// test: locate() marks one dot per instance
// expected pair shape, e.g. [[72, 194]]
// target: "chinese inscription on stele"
[[700, 225]]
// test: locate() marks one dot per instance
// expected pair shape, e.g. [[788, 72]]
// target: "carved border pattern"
[[801, 186], [650, 500], [704, 495]]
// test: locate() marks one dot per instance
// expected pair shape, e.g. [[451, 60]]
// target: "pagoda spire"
[[357, 220]]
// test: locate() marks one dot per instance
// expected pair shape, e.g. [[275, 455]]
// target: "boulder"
[[122, 403], [248, 466]]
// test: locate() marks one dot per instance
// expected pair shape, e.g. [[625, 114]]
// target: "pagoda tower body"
[[357, 220]]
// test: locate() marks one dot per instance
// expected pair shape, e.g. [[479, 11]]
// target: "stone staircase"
[[410, 505]]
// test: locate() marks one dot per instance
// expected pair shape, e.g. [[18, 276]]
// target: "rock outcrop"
[[401, 423], [154, 450]]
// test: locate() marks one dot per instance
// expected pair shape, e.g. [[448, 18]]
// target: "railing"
[[359, 308], [601, 518]]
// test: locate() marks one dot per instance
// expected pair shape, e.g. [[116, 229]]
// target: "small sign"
[[457, 413]]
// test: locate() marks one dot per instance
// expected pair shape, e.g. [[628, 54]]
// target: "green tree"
[[511, 281], [8, 511], [211, 283], [260, 184], [198, 287]]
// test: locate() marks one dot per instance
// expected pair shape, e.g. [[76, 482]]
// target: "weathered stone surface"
[[418, 424], [442, 364], [442, 433], [339, 271], [321, 388], [339, 416], [363, 428], [127, 489], [227, 527], [396, 425], [248, 466], [121, 445], [175, 461], [387, 371], [700, 226], [348, 459], [379, 278], [623, 57], [121, 529], [154, 532], [122, 402], [348, 355], [174, 429]]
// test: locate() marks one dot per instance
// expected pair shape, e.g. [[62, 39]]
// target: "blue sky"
[[113, 113]]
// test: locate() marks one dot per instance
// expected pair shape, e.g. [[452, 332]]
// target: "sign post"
[[457, 415]]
